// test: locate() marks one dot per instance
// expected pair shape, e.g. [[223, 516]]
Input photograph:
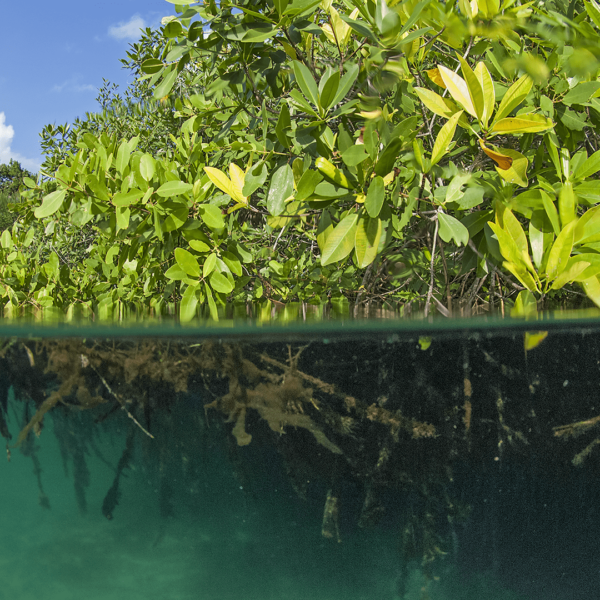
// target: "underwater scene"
[[461, 465]]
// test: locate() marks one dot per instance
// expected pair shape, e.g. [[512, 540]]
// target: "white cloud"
[[128, 30], [71, 85], [7, 133]]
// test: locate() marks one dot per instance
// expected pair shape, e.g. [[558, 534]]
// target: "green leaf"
[[515, 94], [375, 197], [147, 167], [128, 198], [175, 273], [211, 215], [444, 138], [366, 240], [211, 302], [567, 204], [345, 84], [174, 188], [452, 229], [122, 215], [588, 167], [152, 66], [301, 102], [166, 85], [189, 302], [572, 272], [592, 8], [560, 252], [220, 283], [187, 262], [51, 203], [474, 87], [6, 239], [354, 155], [581, 93], [387, 159], [340, 241], [255, 178], [283, 123], [123, 155], [282, 187], [551, 211], [330, 89], [307, 184], [306, 82], [233, 262], [199, 246], [209, 265], [324, 229]]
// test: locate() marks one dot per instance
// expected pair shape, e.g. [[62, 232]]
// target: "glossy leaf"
[[444, 138], [458, 89], [220, 283], [340, 241], [560, 252], [522, 124], [189, 302], [474, 87], [489, 94], [517, 92], [187, 262]]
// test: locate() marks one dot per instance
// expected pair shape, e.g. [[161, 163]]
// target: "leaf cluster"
[[310, 149]]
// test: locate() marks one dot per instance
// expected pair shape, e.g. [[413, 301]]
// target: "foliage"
[[11, 179], [306, 149]]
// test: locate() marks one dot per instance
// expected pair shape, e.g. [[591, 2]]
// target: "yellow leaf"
[[533, 339], [489, 95], [434, 102], [434, 75], [444, 138], [237, 181], [522, 124], [220, 180], [458, 89], [473, 86], [517, 172]]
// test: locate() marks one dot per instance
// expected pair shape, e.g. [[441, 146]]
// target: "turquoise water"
[[425, 501]]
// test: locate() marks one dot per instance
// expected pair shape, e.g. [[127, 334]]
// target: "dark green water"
[[342, 461]]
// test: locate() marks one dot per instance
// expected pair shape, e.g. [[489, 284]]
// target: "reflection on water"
[[459, 466]]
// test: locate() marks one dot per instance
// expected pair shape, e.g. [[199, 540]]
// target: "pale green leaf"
[[366, 240], [174, 188], [515, 94], [444, 138], [340, 241], [51, 203], [452, 229]]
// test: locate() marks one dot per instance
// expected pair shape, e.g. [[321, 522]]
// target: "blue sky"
[[54, 57]]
